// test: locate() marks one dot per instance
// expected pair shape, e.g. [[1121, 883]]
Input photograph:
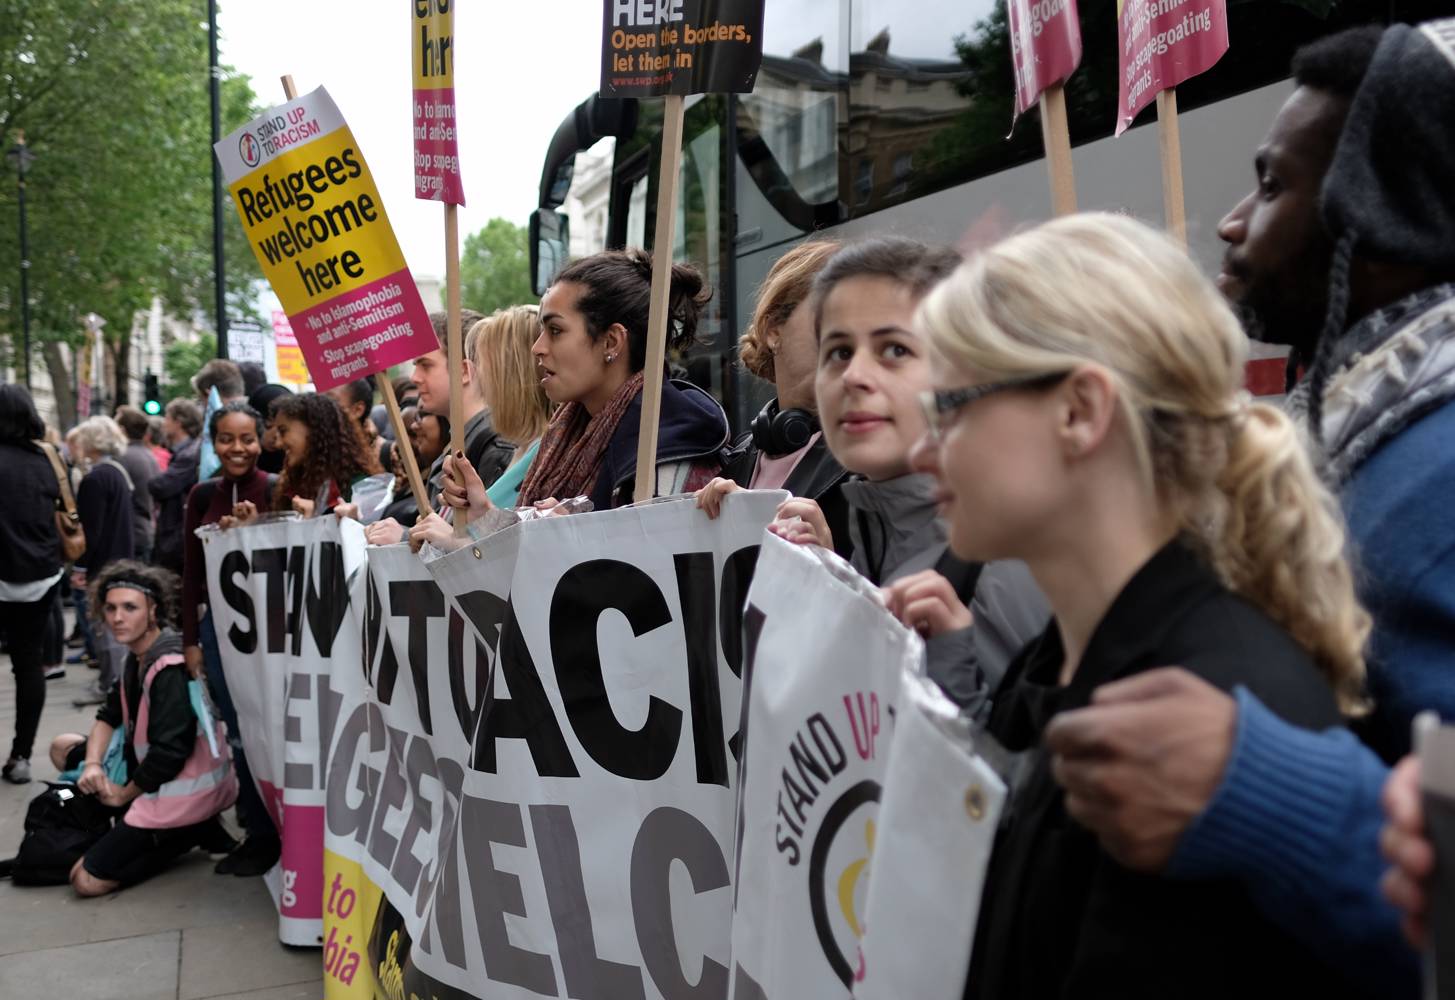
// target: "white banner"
[[824, 673], [588, 818], [280, 604]]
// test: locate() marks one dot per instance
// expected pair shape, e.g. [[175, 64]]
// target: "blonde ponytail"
[[1105, 290]]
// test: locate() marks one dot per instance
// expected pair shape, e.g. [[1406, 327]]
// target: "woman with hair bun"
[[591, 353], [174, 785], [1088, 417]]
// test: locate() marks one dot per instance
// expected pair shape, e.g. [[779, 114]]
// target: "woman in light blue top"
[[499, 346]]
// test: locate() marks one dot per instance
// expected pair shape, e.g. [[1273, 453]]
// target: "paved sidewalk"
[[185, 935]]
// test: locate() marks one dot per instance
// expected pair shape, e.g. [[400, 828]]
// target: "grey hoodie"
[[896, 533]]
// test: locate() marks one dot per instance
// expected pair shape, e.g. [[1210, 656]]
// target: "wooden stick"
[[646, 484], [1056, 135], [386, 388], [1173, 204], [456, 343], [401, 439]]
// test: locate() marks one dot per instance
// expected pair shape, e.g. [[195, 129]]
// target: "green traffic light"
[[152, 407]]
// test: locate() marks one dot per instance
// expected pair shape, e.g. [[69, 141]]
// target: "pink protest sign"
[[436, 148], [1045, 46], [1162, 43]]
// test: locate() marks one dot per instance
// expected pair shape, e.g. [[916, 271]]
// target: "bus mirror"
[[550, 240]]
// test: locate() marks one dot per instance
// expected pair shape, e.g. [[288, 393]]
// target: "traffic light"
[[152, 405]]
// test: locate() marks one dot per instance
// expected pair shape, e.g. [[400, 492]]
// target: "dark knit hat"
[[1390, 181], [1388, 195]]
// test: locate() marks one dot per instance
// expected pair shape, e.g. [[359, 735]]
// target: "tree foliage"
[[495, 267], [113, 97], [181, 361]]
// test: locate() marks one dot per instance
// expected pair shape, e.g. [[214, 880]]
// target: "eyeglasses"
[[940, 404]]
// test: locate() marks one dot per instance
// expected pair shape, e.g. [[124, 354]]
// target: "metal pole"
[[218, 279], [22, 158]]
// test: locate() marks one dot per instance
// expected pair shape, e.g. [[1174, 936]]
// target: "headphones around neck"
[[782, 432]]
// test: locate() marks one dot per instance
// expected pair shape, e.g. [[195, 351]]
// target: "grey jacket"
[[896, 533]]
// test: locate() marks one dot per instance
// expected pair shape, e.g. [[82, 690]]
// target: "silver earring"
[[610, 358]]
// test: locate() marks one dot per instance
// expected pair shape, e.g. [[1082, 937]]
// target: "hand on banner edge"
[[709, 498], [926, 602]]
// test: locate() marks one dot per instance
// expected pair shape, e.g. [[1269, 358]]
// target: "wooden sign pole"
[[661, 296], [1170, 140], [456, 339], [386, 389], [1056, 135]]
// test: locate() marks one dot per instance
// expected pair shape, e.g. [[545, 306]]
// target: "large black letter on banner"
[[240, 601], [327, 605], [696, 592], [669, 835], [588, 976], [495, 893], [582, 595], [418, 601], [273, 563], [525, 715]]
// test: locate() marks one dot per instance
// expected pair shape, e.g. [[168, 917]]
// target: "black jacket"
[[171, 723], [1059, 917], [692, 429], [169, 489], [104, 502], [30, 549], [486, 450], [817, 477]]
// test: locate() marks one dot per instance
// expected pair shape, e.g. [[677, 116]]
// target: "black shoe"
[[214, 838], [75, 641], [54, 673], [16, 771], [255, 856]]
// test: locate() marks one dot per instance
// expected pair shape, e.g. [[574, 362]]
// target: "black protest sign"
[[651, 48]]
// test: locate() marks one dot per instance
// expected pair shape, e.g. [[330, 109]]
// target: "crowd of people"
[[1208, 620]]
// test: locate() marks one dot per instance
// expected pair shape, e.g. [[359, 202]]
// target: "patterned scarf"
[[574, 446]]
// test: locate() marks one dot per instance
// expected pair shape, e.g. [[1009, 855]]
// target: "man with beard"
[[1345, 251]]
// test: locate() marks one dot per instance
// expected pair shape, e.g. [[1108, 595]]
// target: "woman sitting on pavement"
[[176, 786], [236, 433], [1089, 418], [786, 448], [872, 365]]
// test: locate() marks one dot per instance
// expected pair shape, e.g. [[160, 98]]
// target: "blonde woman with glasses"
[[1089, 419]]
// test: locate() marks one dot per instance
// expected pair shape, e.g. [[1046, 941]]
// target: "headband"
[[131, 583]]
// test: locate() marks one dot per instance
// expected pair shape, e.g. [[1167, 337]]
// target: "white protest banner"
[[936, 828], [547, 749], [824, 665], [279, 596]]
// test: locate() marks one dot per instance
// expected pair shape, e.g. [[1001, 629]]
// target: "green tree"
[[183, 360], [495, 267], [113, 98]]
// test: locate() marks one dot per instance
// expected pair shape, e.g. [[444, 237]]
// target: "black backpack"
[[61, 824]]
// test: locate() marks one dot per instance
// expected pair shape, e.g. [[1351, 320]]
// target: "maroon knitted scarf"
[[574, 446]]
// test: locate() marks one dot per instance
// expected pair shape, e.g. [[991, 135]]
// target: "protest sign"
[[291, 369], [1160, 44], [539, 780], [279, 597], [672, 48], [652, 48], [824, 665], [316, 222], [935, 831], [436, 145], [1045, 48]]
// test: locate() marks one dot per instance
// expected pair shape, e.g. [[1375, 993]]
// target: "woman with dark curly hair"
[[174, 786], [323, 455]]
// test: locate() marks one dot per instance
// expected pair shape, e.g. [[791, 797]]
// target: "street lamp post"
[[219, 278], [22, 157]]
